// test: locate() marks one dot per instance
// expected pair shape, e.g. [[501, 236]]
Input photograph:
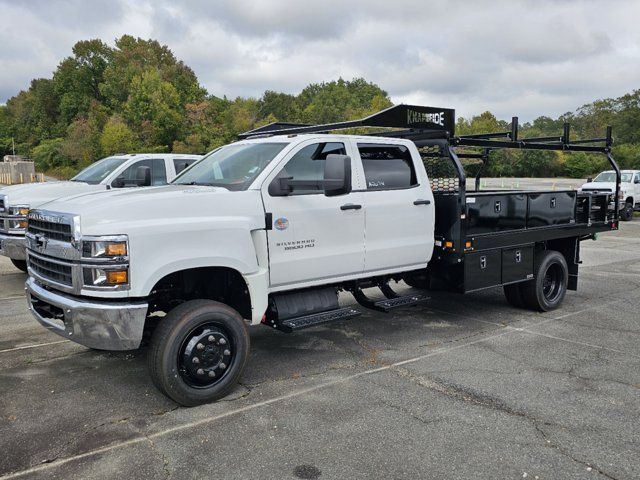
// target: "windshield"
[[611, 177], [233, 167], [98, 171]]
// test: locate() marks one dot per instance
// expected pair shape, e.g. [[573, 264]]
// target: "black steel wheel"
[[20, 264], [549, 287], [198, 352], [627, 212]]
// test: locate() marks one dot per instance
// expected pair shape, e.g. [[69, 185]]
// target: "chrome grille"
[[596, 190], [50, 270], [54, 231]]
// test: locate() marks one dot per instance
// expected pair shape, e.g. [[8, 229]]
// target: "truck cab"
[[117, 171], [629, 195]]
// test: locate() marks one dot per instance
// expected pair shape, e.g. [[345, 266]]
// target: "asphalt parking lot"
[[460, 387]]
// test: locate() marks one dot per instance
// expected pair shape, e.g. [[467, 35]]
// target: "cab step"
[[392, 301], [306, 321], [398, 302]]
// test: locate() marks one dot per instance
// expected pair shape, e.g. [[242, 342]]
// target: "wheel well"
[[629, 200], [221, 284], [570, 249]]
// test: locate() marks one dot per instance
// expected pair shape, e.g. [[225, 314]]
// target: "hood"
[[120, 211], [36, 194], [602, 186]]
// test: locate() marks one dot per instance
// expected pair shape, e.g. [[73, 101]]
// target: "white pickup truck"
[[269, 229], [629, 195], [131, 170]]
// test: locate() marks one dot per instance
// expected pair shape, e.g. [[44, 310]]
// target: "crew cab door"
[[313, 238], [399, 208]]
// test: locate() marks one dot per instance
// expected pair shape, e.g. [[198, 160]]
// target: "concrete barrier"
[[19, 172]]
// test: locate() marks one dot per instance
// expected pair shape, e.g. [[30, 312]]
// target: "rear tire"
[[20, 264], [513, 294], [547, 290], [198, 352], [626, 213]]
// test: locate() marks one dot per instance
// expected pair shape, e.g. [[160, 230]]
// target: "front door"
[[314, 238]]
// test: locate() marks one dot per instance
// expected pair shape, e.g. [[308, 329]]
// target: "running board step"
[[406, 301], [392, 301], [306, 321]]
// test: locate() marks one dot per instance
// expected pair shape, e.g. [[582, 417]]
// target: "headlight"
[[21, 210], [105, 277], [104, 248]]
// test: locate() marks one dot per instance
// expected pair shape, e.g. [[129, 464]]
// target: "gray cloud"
[[524, 57]]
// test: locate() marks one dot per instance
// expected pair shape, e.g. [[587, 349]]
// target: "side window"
[[637, 180], [387, 166], [158, 172], [181, 164], [308, 164]]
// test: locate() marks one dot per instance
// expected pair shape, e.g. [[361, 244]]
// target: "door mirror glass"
[[337, 175], [590, 179], [281, 185]]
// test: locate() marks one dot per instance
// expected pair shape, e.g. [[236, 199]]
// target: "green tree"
[[117, 137], [154, 109]]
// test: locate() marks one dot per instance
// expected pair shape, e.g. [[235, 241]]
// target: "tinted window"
[[308, 164], [387, 166], [182, 163], [158, 172], [233, 167], [98, 171]]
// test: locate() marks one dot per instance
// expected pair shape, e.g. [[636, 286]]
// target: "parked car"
[[118, 171], [629, 196], [269, 229]]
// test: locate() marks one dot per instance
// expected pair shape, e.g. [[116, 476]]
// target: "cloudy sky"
[[515, 57]]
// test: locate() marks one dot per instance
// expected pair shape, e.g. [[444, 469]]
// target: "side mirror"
[[590, 179], [637, 180], [118, 182], [143, 176], [280, 186], [337, 175]]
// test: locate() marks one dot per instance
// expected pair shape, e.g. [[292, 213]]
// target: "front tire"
[[547, 290], [626, 213], [20, 264], [198, 352]]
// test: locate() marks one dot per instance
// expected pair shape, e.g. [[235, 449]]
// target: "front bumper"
[[13, 246], [101, 325]]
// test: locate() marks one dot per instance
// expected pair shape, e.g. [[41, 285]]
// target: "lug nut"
[[226, 352], [211, 338], [199, 346], [223, 366], [195, 360], [200, 371], [222, 341], [212, 374]]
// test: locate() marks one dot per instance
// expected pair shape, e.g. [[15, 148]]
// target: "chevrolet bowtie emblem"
[[41, 241]]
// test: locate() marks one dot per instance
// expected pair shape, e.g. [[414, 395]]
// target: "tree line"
[[137, 96]]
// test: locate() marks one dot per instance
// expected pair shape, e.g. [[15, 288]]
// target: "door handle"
[[422, 202], [350, 206]]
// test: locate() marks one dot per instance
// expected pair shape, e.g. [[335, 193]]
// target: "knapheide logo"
[[436, 118]]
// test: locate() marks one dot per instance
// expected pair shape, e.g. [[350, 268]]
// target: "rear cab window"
[[387, 167]]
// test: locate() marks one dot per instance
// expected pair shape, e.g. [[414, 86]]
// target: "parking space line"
[[439, 351], [37, 345]]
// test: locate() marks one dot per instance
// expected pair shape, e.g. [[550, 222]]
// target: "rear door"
[[399, 210], [314, 238]]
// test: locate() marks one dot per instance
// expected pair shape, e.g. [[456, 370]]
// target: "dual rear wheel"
[[549, 287]]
